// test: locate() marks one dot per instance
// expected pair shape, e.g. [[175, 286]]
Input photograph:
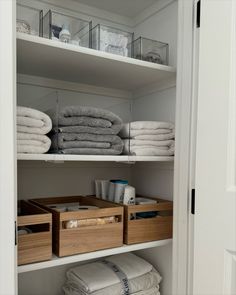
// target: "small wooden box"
[[35, 246], [148, 229], [69, 241]]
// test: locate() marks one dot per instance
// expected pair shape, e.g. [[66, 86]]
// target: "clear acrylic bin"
[[29, 20], [67, 29], [111, 40], [151, 50]]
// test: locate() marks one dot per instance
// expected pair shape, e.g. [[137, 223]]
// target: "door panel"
[[215, 219]]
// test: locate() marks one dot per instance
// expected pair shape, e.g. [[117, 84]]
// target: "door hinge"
[[193, 201], [198, 13], [15, 233]]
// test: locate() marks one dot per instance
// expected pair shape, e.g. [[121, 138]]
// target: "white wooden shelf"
[[52, 59], [94, 158], [56, 261]]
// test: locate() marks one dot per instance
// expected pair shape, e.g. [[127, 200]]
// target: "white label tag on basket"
[[120, 274]]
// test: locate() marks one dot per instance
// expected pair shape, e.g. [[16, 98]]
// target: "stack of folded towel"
[[124, 274], [32, 127], [148, 138], [86, 131]]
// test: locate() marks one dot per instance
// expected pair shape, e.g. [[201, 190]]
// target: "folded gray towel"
[[91, 151], [87, 129], [87, 144], [85, 116], [86, 140]]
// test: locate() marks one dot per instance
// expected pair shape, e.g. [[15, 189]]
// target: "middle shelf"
[[94, 158]]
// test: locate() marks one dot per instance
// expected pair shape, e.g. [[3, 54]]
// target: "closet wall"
[[156, 179], [39, 179]]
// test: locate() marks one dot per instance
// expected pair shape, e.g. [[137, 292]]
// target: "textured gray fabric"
[[85, 116], [91, 151], [87, 129], [86, 143]]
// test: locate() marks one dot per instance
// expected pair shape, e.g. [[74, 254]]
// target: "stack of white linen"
[[32, 127], [124, 274], [148, 138]]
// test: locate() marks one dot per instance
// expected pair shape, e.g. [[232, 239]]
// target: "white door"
[[7, 149], [215, 212]]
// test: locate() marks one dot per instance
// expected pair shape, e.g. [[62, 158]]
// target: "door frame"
[[184, 153], [8, 257]]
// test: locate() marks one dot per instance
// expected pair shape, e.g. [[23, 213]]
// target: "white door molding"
[[183, 142], [7, 148]]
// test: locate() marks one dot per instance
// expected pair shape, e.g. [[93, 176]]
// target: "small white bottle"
[[65, 34]]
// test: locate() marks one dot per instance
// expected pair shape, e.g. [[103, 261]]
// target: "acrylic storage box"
[[34, 233], [66, 28], [148, 221], [111, 40], [151, 50], [83, 224], [29, 20]]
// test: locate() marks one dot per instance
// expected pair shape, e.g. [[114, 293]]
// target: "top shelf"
[[51, 59]]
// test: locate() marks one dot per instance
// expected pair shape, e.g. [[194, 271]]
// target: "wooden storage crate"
[[35, 246], [88, 238], [148, 229]]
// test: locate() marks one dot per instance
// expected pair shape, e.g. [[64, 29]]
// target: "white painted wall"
[[157, 179]]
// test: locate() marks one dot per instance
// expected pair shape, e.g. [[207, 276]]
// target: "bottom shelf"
[[56, 261]]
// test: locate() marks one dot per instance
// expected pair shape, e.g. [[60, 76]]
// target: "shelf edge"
[[88, 256]]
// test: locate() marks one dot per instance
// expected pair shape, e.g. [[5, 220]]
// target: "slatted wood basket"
[[36, 245], [69, 241], [148, 229]]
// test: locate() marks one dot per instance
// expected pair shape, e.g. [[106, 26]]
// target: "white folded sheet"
[[71, 291], [32, 121], [32, 143], [145, 282], [133, 129], [96, 276], [153, 291]]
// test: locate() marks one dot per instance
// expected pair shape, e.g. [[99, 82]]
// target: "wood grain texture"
[[148, 229], [34, 247], [87, 239]]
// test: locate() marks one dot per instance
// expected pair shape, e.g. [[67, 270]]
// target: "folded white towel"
[[96, 276], [32, 121], [149, 143], [151, 151], [32, 143], [158, 137], [146, 127]]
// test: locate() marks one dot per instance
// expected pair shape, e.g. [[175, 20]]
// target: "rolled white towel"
[[32, 143], [32, 121]]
